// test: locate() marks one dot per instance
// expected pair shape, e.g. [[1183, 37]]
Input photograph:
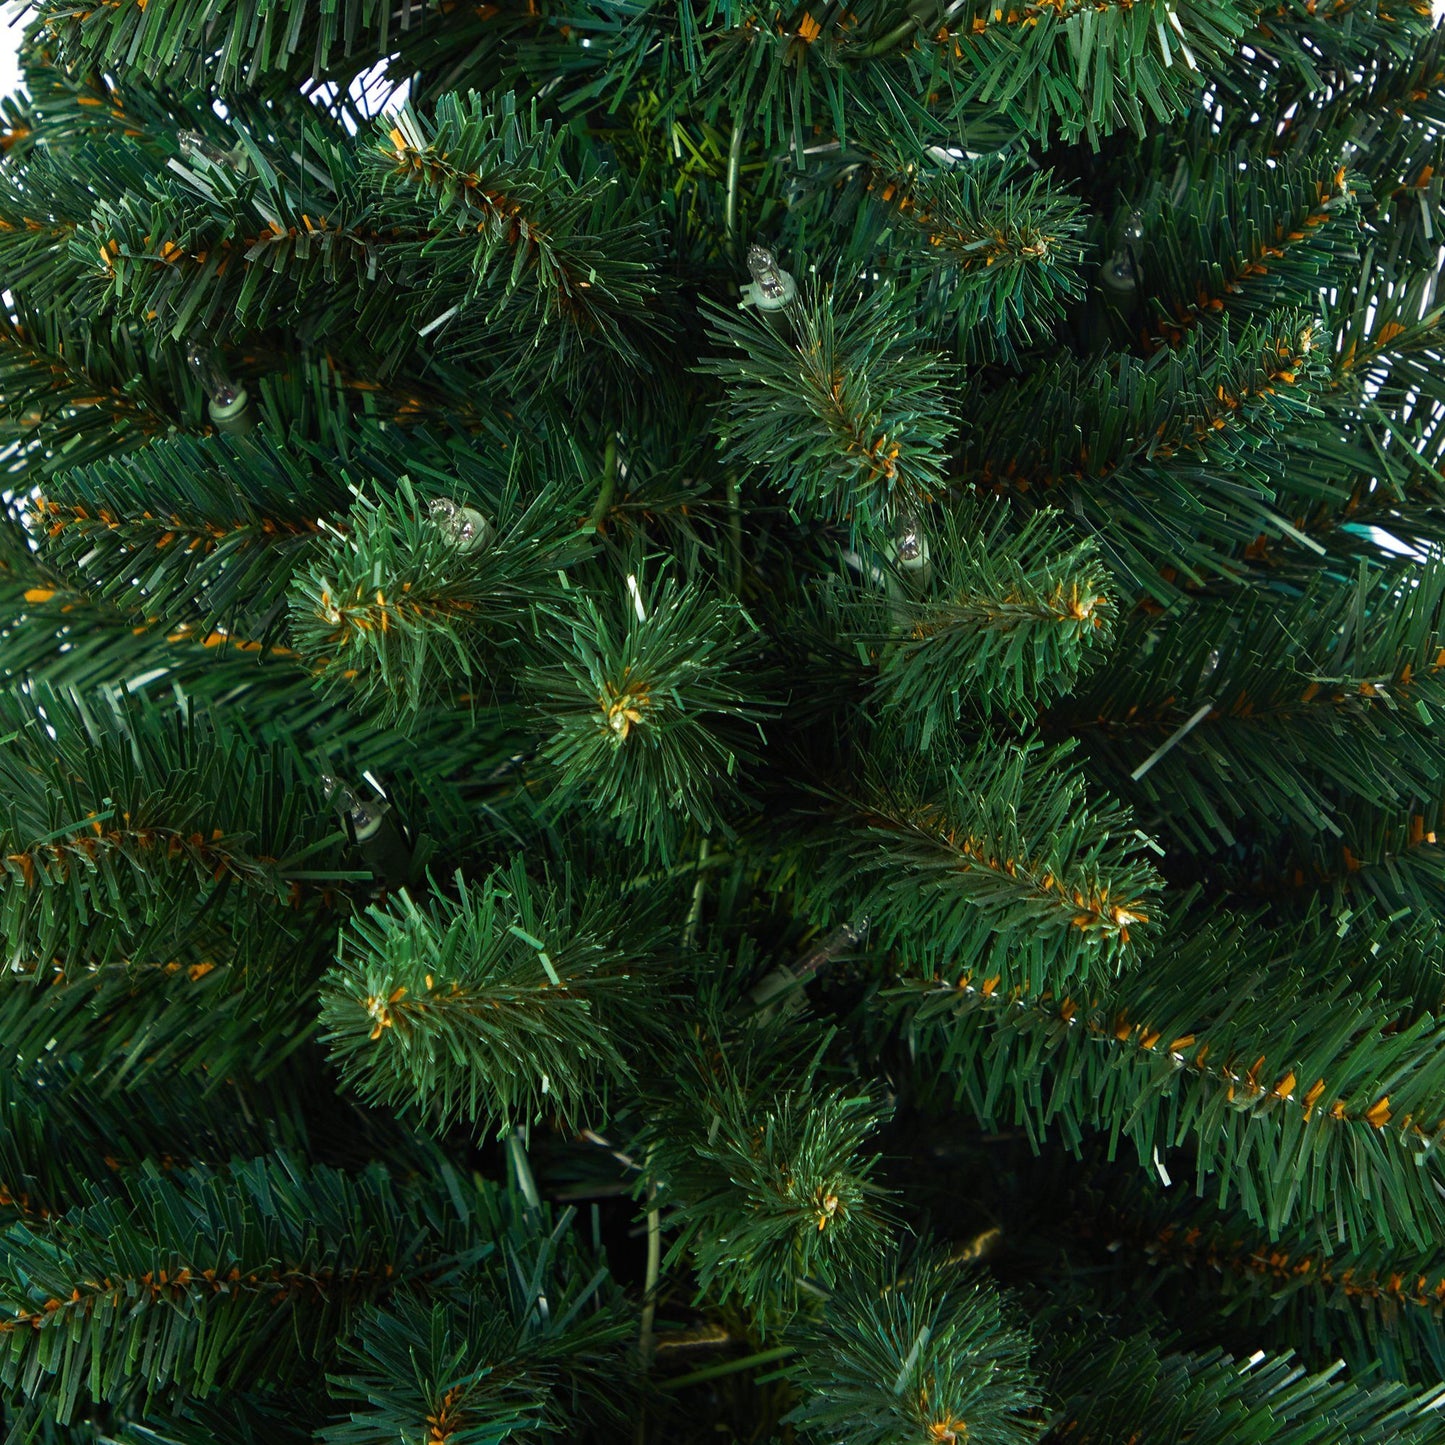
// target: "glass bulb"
[[910, 543], [1133, 229], [219, 387], [767, 274], [772, 288], [843, 937], [195, 146], [466, 526], [846, 936], [365, 813], [336, 792]]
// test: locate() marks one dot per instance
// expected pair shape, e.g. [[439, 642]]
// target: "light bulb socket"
[[230, 416], [1118, 275], [366, 817]]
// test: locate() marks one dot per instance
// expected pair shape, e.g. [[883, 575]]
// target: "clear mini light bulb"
[[772, 288], [910, 543], [382, 847], [364, 814], [470, 529], [194, 146], [1120, 273], [228, 398]]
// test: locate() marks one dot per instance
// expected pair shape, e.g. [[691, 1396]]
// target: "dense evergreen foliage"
[[723, 722]]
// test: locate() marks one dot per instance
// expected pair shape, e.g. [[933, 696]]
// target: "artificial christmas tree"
[[713, 727]]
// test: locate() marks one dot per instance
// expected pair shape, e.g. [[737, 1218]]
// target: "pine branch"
[[243, 1418], [1216, 1271], [992, 856], [241, 50], [1298, 55], [1127, 65], [1000, 619], [761, 1168], [1274, 1056], [69, 641], [913, 1348], [115, 819], [330, 399], [1392, 338], [477, 218], [515, 1000], [401, 610], [1034, 70], [203, 532], [534, 1349], [647, 707], [1124, 1387], [1171, 461], [996, 247], [67, 394], [192, 998], [1250, 718], [1214, 248], [67, 1140], [206, 1281], [1388, 865], [848, 418], [556, 251]]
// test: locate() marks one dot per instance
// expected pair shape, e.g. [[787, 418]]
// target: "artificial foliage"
[[722, 722]]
